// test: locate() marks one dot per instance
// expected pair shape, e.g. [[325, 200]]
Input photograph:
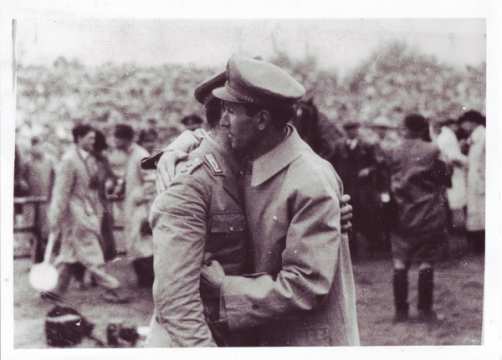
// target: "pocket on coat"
[[227, 223]]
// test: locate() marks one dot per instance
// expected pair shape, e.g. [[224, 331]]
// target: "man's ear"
[[263, 119]]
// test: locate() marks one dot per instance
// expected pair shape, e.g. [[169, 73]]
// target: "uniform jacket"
[[418, 186], [302, 292], [137, 203], [77, 210], [476, 181], [199, 212]]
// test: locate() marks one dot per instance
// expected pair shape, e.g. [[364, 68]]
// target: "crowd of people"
[[413, 166]]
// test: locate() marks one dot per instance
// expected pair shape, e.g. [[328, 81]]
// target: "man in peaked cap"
[[197, 212], [302, 290]]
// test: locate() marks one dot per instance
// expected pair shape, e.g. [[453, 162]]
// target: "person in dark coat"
[[418, 183], [354, 160]]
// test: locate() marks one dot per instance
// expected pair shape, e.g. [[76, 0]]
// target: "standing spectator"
[[354, 160], [474, 124], [450, 149], [139, 192], [21, 187], [148, 139], [40, 179], [106, 182], [75, 213], [418, 182], [384, 210]]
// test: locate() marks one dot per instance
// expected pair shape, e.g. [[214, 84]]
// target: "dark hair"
[[280, 114], [473, 116], [80, 130], [214, 109], [123, 131], [147, 135], [193, 118], [100, 143], [416, 123]]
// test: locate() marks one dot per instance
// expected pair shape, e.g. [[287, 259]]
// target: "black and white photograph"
[[242, 182]]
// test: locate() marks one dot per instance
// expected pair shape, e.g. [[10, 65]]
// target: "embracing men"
[[248, 245]]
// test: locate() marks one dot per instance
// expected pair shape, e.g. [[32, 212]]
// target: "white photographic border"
[[489, 10]]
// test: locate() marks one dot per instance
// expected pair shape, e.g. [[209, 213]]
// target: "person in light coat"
[[302, 291], [75, 213], [474, 124], [139, 193], [450, 150]]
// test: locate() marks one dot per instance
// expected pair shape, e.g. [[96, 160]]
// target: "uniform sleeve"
[[179, 220], [63, 185], [309, 261]]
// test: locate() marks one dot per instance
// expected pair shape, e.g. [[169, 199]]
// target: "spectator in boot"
[[418, 184]]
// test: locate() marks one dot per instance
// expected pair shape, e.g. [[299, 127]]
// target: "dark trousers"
[[476, 241], [143, 267]]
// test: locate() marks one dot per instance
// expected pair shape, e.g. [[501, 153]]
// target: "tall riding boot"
[[400, 285], [426, 295]]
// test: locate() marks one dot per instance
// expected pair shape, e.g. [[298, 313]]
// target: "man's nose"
[[224, 121]]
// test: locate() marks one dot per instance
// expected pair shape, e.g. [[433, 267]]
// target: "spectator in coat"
[[474, 124], [418, 183], [139, 192], [302, 291], [75, 213], [354, 160], [451, 153], [40, 180]]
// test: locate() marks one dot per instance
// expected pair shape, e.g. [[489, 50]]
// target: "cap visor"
[[223, 94]]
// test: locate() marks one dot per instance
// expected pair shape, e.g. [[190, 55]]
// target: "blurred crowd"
[[394, 81]]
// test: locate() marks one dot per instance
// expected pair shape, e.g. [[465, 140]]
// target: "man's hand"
[[364, 172], [213, 274], [166, 168], [346, 213]]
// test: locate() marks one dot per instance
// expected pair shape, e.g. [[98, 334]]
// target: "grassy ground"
[[459, 296]]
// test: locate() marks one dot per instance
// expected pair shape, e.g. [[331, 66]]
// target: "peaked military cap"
[[255, 81], [204, 90]]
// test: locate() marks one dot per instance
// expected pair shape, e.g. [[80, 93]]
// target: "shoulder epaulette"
[[213, 164], [189, 166]]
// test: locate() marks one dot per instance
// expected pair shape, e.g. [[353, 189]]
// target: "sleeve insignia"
[[213, 164]]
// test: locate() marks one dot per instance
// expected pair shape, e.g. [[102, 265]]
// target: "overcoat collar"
[[278, 158]]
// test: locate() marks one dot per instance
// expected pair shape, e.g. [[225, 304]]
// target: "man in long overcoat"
[[75, 213], [302, 290]]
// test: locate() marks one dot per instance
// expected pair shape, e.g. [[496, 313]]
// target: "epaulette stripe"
[[215, 167]]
